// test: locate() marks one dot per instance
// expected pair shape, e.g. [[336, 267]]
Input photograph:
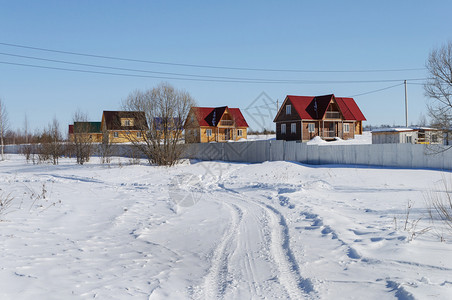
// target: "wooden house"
[[215, 124], [301, 118], [124, 126], [86, 130]]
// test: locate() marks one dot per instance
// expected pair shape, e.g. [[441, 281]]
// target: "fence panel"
[[387, 155]]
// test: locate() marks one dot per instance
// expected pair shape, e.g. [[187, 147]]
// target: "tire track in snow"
[[216, 281], [296, 286]]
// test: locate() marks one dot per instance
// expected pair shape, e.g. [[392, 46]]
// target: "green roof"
[[90, 127]]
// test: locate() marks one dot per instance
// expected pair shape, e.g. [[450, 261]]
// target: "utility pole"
[[277, 105], [406, 106]]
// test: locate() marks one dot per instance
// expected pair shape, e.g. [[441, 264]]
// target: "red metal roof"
[[314, 107], [350, 109], [211, 116]]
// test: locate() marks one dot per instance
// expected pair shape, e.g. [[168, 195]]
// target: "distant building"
[[90, 130], [411, 135], [302, 118], [124, 126], [215, 124]]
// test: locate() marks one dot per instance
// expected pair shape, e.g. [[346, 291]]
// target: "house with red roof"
[[215, 124], [301, 118]]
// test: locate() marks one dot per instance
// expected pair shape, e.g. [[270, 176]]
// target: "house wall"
[[393, 137], [124, 136], [95, 137], [218, 136], [289, 136]]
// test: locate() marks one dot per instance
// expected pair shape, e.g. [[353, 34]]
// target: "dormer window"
[[127, 122], [288, 109]]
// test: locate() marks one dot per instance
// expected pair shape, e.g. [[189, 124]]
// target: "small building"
[[407, 135], [302, 118], [215, 124], [124, 126], [89, 130]]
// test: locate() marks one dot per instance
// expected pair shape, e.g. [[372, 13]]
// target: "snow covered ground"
[[210, 230], [365, 138]]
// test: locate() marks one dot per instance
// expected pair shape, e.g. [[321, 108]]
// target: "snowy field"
[[211, 230]]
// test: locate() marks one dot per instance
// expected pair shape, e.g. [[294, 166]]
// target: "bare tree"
[[439, 87], [51, 143], [165, 109], [3, 127], [82, 140]]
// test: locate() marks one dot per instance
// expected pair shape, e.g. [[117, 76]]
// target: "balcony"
[[332, 115], [226, 123]]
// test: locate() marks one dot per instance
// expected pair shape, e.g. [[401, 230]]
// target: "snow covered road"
[[210, 230]]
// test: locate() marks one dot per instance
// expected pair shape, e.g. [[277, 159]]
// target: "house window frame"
[[239, 132], [311, 127], [208, 132], [346, 127], [283, 128], [288, 109], [409, 139], [293, 128], [115, 134], [138, 134]]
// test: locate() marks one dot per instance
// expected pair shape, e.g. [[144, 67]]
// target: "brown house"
[[124, 126], [214, 124], [304, 117]]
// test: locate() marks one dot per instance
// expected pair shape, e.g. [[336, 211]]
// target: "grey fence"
[[386, 155]]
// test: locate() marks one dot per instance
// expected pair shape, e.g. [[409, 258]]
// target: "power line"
[[209, 66], [375, 91], [177, 74], [249, 80]]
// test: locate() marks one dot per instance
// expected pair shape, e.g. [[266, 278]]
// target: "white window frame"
[[127, 123], [293, 128], [409, 139], [115, 134], [239, 132], [288, 109], [346, 127], [209, 132], [311, 127], [138, 134], [283, 128]]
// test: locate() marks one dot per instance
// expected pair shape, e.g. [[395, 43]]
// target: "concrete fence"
[[386, 155]]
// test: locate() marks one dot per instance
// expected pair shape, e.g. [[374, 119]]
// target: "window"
[[434, 138], [311, 127], [138, 134], [293, 128], [288, 109], [346, 127], [126, 121], [209, 132], [283, 128], [115, 134], [409, 139], [239, 132]]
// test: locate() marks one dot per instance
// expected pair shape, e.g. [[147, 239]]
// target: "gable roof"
[[113, 120], [314, 107], [210, 116]]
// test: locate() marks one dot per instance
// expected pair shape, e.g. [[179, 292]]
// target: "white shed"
[[394, 136]]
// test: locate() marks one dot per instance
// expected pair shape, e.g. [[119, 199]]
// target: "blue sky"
[[296, 35]]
